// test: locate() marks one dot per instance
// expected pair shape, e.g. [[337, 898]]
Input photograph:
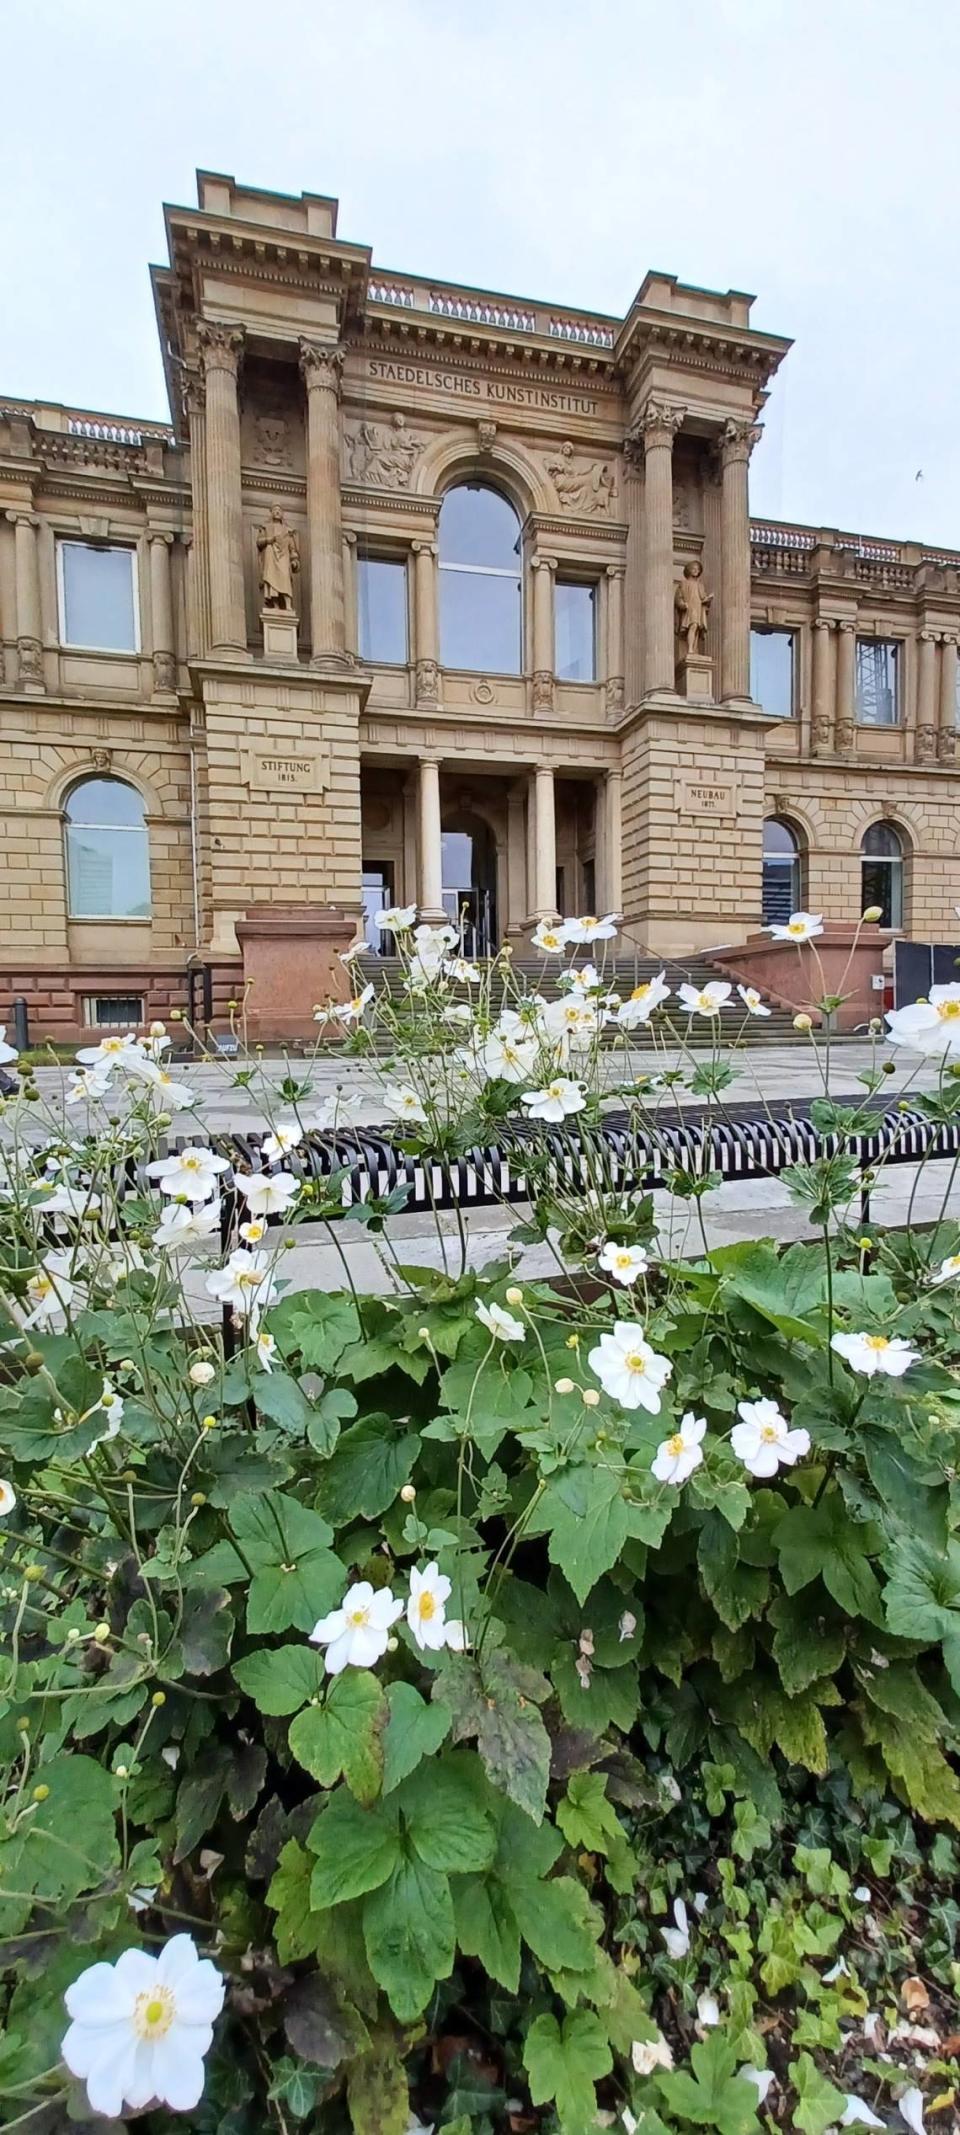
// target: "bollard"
[[21, 1025]]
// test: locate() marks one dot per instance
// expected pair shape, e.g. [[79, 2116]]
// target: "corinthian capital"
[[321, 364], [656, 424], [737, 439], [220, 346]]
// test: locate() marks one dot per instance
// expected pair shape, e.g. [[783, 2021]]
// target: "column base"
[[433, 915], [335, 663], [291, 962]]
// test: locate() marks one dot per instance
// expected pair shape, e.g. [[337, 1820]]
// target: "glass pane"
[[98, 597], [882, 884], [881, 841], [771, 671], [382, 607], [877, 674], [457, 851], [478, 526], [108, 873], [778, 839], [480, 622], [781, 891], [575, 632], [104, 800]]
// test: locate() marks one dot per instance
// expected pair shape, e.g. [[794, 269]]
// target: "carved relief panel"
[[271, 432]]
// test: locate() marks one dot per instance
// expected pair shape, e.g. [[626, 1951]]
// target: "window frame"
[[399, 561], [123, 548], [517, 577], [591, 586], [792, 865], [779, 630], [895, 874], [896, 646], [141, 829]]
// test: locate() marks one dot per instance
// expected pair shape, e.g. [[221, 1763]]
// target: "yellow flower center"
[[190, 1163], [796, 926], [153, 2013], [623, 1260], [876, 1341], [41, 1286], [358, 1617], [705, 1000], [675, 1445], [635, 1360], [948, 1011], [426, 1606], [640, 992], [769, 1433], [249, 1278]]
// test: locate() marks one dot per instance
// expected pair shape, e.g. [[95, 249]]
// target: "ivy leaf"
[[414, 1730], [585, 1816], [447, 1816], [371, 1463], [583, 1512], [495, 1699], [345, 1735], [318, 2028], [566, 2064], [408, 1930], [356, 1850], [818, 2101], [280, 1679], [922, 1595], [714, 2096]]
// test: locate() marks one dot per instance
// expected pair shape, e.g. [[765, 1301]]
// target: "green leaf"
[[316, 1326], [67, 1843], [583, 1512], [356, 1850], [345, 1735], [818, 2101], [408, 1930], [279, 1397], [296, 1578], [371, 1463], [822, 1540], [565, 2064], [335, 1407], [585, 1816], [806, 1644], [319, 2027], [448, 1816], [558, 1921], [714, 2096], [377, 2093], [487, 1927], [414, 1730], [922, 1595], [280, 1679], [495, 1699], [206, 1632], [299, 1928], [784, 1287], [738, 1591]]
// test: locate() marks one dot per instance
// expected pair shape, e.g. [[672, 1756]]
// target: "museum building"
[[430, 595]]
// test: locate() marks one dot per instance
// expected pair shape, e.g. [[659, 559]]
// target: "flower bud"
[[513, 1295], [873, 913], [41, 1793], [122, 1771], [803, 1022], [572, 1341], [159, 1698], [199, 1498], [72, 1635], [590, 1397], [408, 1493], [202, 1373], [33, 1572], [393, 1645], [563, 1386], [102, 1633], [423, 1334], [209, 1423]]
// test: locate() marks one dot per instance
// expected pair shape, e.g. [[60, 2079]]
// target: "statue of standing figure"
[[691, 607], [279, 554]]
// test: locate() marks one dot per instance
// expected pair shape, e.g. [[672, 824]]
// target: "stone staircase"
[[622, 973]]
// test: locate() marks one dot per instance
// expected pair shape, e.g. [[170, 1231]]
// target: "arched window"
[[108, 859], [881, 873], [782, 886], [480, 574]]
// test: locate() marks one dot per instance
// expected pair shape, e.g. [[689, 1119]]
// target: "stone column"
[[220, 348], [610, 890], [824, 694], [29, 634], [947, 737], [322, 364], [161, 599], [542, 843], [736, 444], [431, 846], [544, 651], [613, 680], [846, 687], [426, 645], [657, 428], [925, 746]]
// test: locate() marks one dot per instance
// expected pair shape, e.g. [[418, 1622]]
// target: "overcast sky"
[[808, 150]]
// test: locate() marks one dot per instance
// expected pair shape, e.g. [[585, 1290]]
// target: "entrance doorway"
[[376, 895], [470, 882]]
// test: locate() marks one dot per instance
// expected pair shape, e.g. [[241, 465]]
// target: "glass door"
[[376, 894]]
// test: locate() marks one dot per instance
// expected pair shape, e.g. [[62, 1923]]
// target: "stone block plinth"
[[291, 962], [279, 636]]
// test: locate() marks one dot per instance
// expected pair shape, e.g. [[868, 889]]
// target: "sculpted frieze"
[[381, 456], [585, 487]]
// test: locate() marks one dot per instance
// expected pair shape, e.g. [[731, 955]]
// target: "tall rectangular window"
[[575, 631], [97, 588], [878, 681], [382, 609], [772, 658]]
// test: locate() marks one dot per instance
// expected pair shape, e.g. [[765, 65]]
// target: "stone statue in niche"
[[585, 486], [691, 608], [383, 458], [279, 554], [272, 440]]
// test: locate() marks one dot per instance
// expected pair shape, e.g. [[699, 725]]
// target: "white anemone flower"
[[624, 1262], [677, 1937], [245, 1282], [761, 2078], [648, 2054], [677, 1457], [948, 1270], [801, 926], [188, 1174], [910, 2109], [705, 1000], [350, 1011], [402, 1102], [140, 2028], [640, 1004], [63, 1200], [287, 1135], [358, 1632], [873, 1353], [51, 1289], [580, 978], [435, 940], [571, 1017], [111, 1052], [461, 969], [267, 1193], [590, 929], [508, 1058], [426, 1607], [930, 1027], [501, 1323], [266, 1349], [8, 1499], [87, 1085], [396, 918], [7, 1052], [858, 2114], [763, 1440], [112, 1405], [752, 1001], [628, 1369], [708, 2011], [254, 1231], [183, 1226], [356, 948], [558, 1100], [550, 939]]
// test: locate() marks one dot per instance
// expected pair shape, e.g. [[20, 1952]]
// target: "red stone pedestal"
[[843, 960], [291, 962]]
